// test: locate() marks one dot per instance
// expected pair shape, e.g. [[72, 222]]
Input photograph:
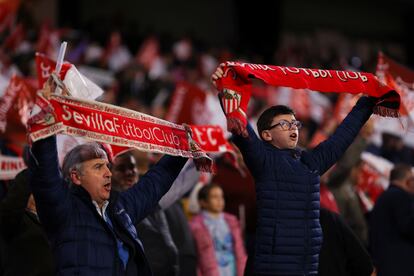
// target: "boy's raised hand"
[[217, 74]]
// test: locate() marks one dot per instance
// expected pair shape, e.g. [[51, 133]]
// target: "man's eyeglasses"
[[286, 125]]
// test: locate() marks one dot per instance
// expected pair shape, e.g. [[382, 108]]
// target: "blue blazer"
[[82, 242]]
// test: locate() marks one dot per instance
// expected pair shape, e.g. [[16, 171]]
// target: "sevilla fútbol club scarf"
[[235, 87], [113, 125]]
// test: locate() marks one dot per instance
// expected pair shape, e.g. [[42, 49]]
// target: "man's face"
[[124, 172], [214, 202], [279, 136], [95, 177]]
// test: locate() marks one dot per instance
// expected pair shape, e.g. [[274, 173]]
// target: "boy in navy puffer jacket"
[[288, 233]]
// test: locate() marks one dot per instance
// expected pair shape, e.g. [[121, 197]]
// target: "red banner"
[[45, 66], [113, 125], [10, 167]]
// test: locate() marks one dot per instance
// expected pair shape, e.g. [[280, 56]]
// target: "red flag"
[[187, 104], [15, 108], [78, 85], [399, 78], [45, 66]]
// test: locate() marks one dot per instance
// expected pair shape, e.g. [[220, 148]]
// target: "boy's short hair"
[[265, 120], [204, 192]]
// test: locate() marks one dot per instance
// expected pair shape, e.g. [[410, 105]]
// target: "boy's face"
[[215, 201], [280, 135]]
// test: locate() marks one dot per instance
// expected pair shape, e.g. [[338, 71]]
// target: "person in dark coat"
[[183, 239], [289, 235], [90, 227], [160, 249], [392, 225], [27, 251], [342, 253]]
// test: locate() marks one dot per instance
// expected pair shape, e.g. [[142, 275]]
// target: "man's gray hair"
[[79, 154]]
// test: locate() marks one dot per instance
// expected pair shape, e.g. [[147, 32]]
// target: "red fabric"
[[45, 66], [210, 139], [235, 87], [15, 106], [368, 184], [186, 104], [207, 262], [114, 125], [399, 78], [328, 200]]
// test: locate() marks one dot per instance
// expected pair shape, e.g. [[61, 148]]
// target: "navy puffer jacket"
[[289, 236], [82, 242]]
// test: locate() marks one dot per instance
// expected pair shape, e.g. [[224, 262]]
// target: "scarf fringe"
[[386, 111]]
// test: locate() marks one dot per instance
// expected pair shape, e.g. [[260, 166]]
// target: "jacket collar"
[[295, 153]]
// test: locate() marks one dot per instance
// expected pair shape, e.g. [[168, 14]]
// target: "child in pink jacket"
[[217, 236]]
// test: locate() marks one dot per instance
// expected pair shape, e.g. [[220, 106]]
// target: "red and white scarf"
[[113, 125], [235, 87]]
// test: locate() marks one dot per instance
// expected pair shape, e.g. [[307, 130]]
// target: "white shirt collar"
[[101, 212]]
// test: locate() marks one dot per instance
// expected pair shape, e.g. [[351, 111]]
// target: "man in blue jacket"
[[90, 227], [288, 232], [392, 225]]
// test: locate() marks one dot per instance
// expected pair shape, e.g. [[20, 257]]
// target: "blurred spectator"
[[183, 239], [28, 250], [116, 55], [342, 254], [218, 236], [393, 149], [153, 230], [392, 225], [343, 180], [349, 204]]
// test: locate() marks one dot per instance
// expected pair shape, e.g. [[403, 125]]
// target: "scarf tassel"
[[386, 111]]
